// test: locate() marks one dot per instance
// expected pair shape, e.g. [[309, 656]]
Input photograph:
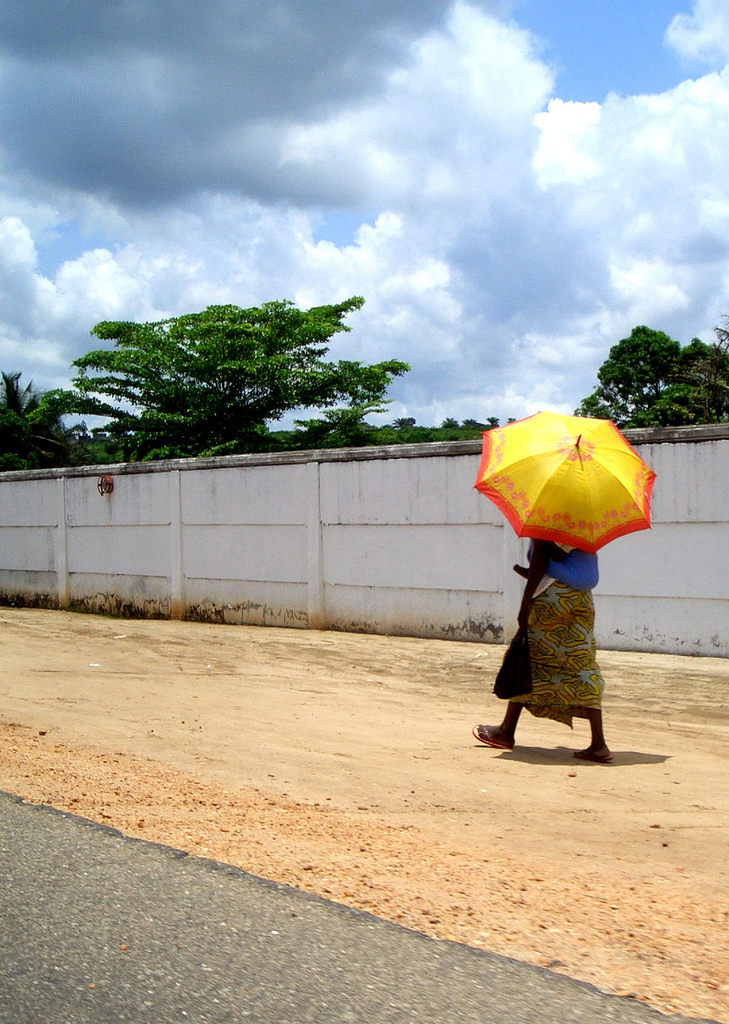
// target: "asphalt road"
[[98, 928]]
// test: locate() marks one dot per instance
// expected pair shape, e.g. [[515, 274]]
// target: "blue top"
[[578, 569]]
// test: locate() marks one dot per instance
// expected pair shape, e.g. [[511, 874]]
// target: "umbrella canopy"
[[569, 479]]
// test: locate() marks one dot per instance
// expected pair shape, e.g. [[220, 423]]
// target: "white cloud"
[[657, 199], [453, 126], [567, 151], [651, 288], [18, 282], [702, 37]]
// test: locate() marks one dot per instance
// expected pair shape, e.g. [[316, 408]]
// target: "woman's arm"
[[537, 568]]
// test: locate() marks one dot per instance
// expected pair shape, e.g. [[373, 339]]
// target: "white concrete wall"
[[408, 546], [388, 540], [668, 589], [244, 543], [30, 511]]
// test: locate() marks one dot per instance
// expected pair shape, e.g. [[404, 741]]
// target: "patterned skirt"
[[565, 678]]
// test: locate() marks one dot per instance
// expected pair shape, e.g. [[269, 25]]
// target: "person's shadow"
[[563, 755]]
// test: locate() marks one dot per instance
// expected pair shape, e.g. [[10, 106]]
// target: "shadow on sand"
[[563, 756]]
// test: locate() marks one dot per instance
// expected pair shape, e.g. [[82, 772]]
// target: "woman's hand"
[[523, 616]]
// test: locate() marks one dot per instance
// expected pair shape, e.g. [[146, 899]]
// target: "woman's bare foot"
[[493, 736], [600, 755]]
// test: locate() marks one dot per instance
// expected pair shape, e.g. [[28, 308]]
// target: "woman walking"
[[558, 613]]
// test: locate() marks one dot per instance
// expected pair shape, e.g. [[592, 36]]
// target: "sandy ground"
[[343, 764]]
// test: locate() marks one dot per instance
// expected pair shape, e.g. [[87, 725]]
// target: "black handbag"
[[515, 675]]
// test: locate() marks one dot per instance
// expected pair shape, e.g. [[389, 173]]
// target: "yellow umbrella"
[[569, 479]]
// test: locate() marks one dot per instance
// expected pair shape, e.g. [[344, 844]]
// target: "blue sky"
[[67, 242], [512, 185], [602, 46]]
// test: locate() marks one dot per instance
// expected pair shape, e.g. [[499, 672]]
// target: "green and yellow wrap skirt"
[[566, 680]]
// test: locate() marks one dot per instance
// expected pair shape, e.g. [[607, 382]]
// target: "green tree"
[[17, 450], [33, 431], [16, 444], [704, 373], [339, 428], [18, 399], [649, 380], [209, 383], [633, 379]]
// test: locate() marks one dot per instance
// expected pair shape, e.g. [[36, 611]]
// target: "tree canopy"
[[209, 383], [16, 447], [650, 380], [32, 433]]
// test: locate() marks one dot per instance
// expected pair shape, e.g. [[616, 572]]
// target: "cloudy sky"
[[512, 186]]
